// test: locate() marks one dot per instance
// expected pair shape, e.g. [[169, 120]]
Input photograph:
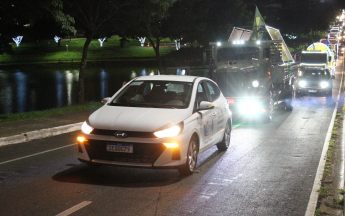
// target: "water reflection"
[[39, 89]]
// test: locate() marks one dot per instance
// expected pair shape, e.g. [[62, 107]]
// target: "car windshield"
[[157, 94], [316, 74]]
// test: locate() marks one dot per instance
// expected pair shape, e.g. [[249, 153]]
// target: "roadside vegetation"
[[113, 48], [331, 198], [49, 112]]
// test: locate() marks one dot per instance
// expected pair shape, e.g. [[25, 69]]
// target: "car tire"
[[224, 144], [192, 158], [329, 98], [93, 165]]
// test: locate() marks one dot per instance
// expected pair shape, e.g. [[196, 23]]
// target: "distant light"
[[17, 40], [258, 42], [242, 41], [219, 43], [57, 38], [101, 40], [234, 42]]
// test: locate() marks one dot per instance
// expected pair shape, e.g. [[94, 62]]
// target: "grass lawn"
[[40, 114], [46, 51]]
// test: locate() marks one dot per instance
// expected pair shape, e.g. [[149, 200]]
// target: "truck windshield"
[[237, 54], [313, 58]]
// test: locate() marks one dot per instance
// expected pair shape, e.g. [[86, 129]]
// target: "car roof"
[[180, 78]]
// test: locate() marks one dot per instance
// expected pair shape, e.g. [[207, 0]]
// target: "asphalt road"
[[269, 169]]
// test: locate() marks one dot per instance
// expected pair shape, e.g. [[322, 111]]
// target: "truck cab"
[[252, 76]]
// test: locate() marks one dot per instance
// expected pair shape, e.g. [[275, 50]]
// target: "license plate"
[[120, 147], [312, 90]]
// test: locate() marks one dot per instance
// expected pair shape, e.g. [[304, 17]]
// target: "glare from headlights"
[[324, 84], [171, 145], [170, 132], [86, 129], [302, 83], [250, 107], [255, 83], [81, 139]]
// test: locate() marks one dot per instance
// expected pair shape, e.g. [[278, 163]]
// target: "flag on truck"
[[259, 26]]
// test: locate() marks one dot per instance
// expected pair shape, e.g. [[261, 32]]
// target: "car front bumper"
[[147, 152]]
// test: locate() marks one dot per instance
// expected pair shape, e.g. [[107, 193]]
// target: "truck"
[[255, 76], [318, 55]]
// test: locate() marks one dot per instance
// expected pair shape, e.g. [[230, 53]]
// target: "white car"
[[158, 121]]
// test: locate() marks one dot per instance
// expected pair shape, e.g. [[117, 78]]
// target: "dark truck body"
[[253, 77]]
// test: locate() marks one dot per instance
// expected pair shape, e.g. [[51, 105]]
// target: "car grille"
[[312, 85], [129, 133], [142, 152]]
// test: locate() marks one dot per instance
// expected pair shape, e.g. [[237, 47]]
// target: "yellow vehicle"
[[318, 55]]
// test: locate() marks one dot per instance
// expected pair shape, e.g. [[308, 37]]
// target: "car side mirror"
[[204, 105], [105, 100]]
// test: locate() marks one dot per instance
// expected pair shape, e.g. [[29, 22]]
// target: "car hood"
[[136, 118]]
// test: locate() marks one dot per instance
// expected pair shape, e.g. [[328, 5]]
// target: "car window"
[[157, 94], [213, 91], [200, 95]]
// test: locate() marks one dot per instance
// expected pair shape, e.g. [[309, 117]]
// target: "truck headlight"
[[255, 83], [86, 129], [302, 83], [250, 107], [324, 84]]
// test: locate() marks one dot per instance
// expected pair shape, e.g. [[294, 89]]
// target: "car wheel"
[[329, 98], [192, 157], [93, 165], [224, 144]]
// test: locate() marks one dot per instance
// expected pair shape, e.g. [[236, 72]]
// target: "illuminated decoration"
[[17, 40], [178, 44], [57, 38], [101, 40], [142, 40]]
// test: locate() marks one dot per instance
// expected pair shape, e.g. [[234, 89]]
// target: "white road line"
[[37, 154], [74, 208]]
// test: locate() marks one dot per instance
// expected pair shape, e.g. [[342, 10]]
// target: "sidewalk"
[[26, 130]]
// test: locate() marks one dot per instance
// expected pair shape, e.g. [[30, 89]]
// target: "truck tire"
[[192, 157], [224, 144], [288, 103]]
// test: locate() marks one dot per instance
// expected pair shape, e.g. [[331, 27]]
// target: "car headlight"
[[169, 132], [86, 129], [255, 83], [324, 84], [302, 83]]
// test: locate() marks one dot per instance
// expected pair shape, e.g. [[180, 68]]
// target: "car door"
[[206, 126], [218, 113]]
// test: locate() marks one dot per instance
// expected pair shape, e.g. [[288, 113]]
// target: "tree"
[[92, 17], [144, 18]]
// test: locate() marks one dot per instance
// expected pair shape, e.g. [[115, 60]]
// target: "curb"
[[38, 134]]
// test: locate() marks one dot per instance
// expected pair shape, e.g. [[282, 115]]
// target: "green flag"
[[259, 26]]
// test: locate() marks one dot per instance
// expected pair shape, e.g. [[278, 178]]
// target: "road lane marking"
[[74, 208], [37, 154]]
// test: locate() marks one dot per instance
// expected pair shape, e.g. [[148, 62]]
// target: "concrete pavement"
[[26, 130]]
